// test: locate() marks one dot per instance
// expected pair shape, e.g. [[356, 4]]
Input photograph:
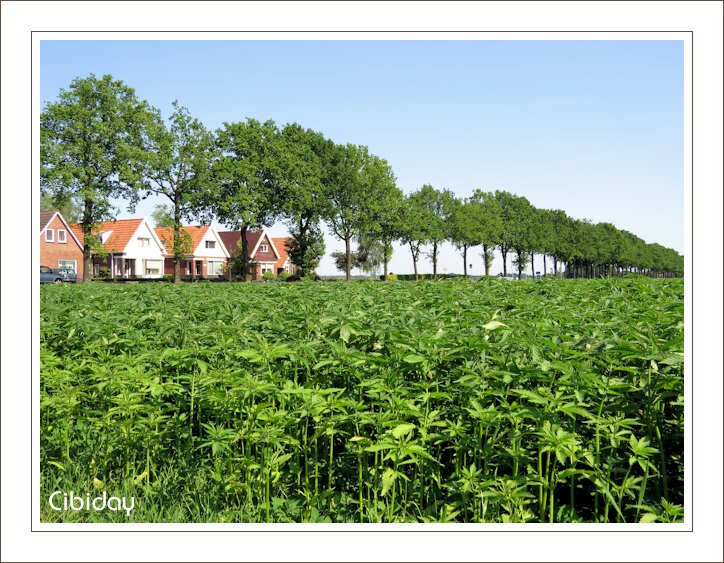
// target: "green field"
[[457, 401]]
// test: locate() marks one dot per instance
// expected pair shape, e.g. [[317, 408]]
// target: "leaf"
[[140, 478], [344, 333], [492, 325], [58, 465], [402, 429], [388, 479], [648, 518], [98, 484], [414, 359]]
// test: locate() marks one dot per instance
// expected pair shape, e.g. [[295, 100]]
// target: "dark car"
[[69, 274], [49, 275]]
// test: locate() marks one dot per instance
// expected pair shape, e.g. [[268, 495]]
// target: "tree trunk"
[[555, 267], [385, 261], [532, 264], [414, 260], [505, 262], [348, 250], [87, 234], [485, 260], [520, 267], [465, 260], [545, 268], [245, 266], [434, 260], [176, 241]]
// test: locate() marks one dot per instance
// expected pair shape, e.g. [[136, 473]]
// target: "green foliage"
[[93, 147], [162, 216], [268, 276], [70, 208], [306, 249], [283, 276], [554, 401], [245, 188], [436, 209]]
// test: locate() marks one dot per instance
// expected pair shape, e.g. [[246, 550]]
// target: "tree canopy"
[[94, 148]]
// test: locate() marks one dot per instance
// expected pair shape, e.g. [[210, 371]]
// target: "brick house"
[[207, 256], [268, 255], [131, 247], [59, 246]]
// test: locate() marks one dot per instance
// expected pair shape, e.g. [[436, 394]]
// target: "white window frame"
[[74, 266], [49, 235], [210, 244], [264, 248], [62, 239], [213, 269], [148, 266], [144, 242]]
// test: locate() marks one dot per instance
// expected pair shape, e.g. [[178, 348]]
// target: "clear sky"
[[595, 128]]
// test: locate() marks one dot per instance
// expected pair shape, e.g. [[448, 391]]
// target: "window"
[[264, 248], [96, 270], [144, 241], [216, 268], [61, 235], [66, 263], [49, 235], [153, 267], [210, 244]]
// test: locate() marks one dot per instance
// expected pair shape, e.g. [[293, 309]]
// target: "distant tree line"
[[99, 142]]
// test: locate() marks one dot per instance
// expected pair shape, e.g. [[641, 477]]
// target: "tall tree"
[[384, 210], [358, 178], [412, 227], [93, 142], [179, 170], [489, 221], [464, 229], [306, 159], [518, 233], [245, 191], [437, 207]]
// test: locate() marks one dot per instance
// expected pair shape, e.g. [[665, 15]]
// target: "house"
[[205, 253], [284, 264], [130, 248], [59, 246], [268, 255]]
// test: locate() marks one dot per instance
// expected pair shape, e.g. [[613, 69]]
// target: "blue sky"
[[595, 128]]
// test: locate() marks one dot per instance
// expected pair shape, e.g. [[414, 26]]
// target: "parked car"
[[69, 274], [49, 275]]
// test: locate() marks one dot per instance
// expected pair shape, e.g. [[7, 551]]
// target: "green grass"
[[460, 401]]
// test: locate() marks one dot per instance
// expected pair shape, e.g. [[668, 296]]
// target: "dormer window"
[[49, 235], [264, 248], [210, 244]]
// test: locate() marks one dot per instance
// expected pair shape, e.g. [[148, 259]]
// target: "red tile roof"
[[280, 244], [45, 217], [231, 240], [123, 230], [197, 233]]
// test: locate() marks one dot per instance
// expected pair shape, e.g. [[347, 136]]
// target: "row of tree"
[[99, 142]]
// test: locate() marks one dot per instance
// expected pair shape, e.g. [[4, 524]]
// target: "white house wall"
[[138, 253], [216, 253]]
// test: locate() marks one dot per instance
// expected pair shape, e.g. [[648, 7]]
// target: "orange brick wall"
[[51, 252]]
